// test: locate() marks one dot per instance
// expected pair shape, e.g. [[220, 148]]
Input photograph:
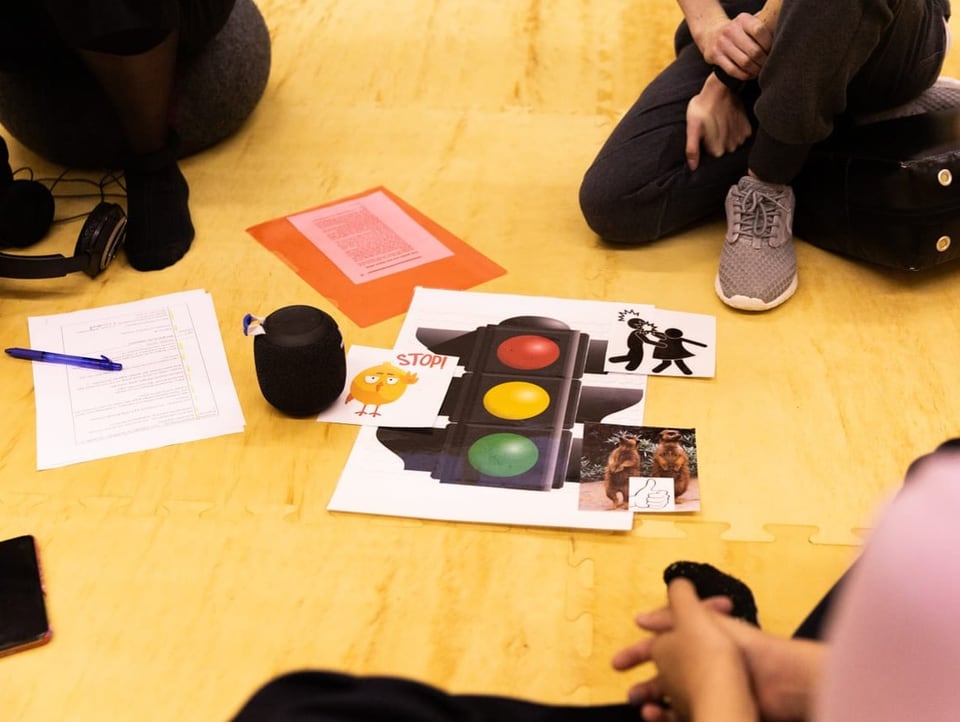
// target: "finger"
[[762, 35], [739, 631], [739, 132], [745, 53], [755, 50], [715, 146], [649, 697], [752, 63], [683, 599], [733, 55], [721, 604], [692, 151], [661, 620], [745, 58], [644, 692], [652, 712], [633, 655], [732, 69]]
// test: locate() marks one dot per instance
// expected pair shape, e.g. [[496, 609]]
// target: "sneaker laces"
[[757, 216]]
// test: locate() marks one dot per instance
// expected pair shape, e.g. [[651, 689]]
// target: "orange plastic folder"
[[371, 251]]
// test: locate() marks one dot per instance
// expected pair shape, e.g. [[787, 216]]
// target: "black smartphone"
[[23, 611]]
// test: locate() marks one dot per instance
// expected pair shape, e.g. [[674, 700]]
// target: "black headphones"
[[26, 214]]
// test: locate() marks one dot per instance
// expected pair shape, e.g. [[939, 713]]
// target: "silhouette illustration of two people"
[[668, 346]]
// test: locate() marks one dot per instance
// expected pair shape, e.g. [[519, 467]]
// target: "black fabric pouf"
[[67, 119], [881, 189]]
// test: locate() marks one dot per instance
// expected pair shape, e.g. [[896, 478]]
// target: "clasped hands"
[[713, 667], [716, 118]]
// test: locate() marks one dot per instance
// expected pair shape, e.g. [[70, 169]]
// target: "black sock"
[[159, 229], [711, 582]]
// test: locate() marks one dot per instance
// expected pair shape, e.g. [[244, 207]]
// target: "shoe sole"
[[747, 303]]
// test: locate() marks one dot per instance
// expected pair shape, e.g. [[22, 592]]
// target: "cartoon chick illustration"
[[379, 385]]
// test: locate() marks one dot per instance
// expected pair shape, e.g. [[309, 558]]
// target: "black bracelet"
[[735, 85]]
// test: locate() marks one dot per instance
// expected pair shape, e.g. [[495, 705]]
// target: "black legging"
[[46, 32]]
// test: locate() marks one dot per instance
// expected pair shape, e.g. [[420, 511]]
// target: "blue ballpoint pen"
[[86, 362]]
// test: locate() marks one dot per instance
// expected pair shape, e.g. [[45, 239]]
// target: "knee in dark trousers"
[[612, 215]]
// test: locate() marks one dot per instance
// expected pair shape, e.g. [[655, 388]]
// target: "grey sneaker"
[[758, 266]]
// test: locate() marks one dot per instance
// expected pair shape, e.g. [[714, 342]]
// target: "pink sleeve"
[[895, 634]]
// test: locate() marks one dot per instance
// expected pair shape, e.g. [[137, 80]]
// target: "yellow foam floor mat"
[[181, 578]]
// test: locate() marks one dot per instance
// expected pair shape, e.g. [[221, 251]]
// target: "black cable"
[[98, 188]]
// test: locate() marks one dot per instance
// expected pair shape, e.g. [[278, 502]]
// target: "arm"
[[785, 672], [702, 14], [737, 48]]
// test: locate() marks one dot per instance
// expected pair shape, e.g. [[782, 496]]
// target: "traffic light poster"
[[507, 443]]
